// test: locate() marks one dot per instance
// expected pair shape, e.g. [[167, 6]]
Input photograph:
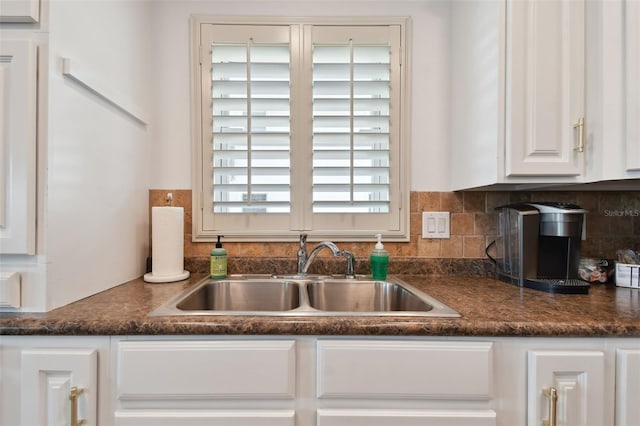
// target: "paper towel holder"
[[150, 278], [167, 232]]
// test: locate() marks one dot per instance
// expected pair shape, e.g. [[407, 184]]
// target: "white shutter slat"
[[351, 87], [251, 127]]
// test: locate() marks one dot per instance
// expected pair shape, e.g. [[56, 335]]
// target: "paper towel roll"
[[167, 245]]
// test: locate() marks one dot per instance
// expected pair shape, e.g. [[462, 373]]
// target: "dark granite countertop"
[[488, 308]]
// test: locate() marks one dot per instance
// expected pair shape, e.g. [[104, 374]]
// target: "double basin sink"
[[305, 295]]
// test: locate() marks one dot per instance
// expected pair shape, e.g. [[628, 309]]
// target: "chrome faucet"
[[302, 253], [305, 261]]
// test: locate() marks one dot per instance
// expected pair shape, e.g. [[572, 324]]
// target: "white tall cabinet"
[[18, 111], [73, 167]]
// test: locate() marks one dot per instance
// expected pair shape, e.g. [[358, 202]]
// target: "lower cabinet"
[[566, 388], [627, 386], [318, 381], [53, 380]]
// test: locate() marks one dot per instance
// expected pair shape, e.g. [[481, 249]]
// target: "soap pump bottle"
[[379, 261], [218, 261]]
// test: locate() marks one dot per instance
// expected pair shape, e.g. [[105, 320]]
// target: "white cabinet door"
[[627, 387], [48, 376], [18, 91], [341, 417], [632, 75], [578, 380], [545, 81], [21, 11]]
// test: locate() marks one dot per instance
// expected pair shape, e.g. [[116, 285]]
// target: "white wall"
[[96, 198], [171, 151]]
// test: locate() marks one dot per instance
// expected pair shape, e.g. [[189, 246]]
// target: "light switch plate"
[[435, 224]]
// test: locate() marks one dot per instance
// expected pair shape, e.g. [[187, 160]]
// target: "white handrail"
[[102, 89]]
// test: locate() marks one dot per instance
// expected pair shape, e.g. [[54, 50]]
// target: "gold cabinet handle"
[[552, 395], [580, 126], [73, 397]]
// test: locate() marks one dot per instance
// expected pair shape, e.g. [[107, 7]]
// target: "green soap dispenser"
[[218, 261], [379, 260]]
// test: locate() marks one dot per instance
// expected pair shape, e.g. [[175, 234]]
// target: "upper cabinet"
[[631, 25], [613, 106], [545, 88], [20, 11], [517, 93], [544, 92]]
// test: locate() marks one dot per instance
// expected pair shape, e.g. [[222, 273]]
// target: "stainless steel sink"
[[242, 295], [304, 296], [364, 296]]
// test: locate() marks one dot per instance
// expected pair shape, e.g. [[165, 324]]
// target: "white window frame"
[[203, 231]]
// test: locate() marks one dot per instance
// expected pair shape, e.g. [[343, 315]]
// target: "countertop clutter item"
[[593, 270], [538, 246], [167, 245], [628, 268], [218, 265], [379, 260]]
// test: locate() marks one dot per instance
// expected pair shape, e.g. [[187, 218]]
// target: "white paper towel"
[[167, 249]]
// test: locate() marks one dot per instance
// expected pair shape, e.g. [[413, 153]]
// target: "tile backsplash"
[[613, 222]]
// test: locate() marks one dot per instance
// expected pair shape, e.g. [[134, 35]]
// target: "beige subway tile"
[[451, 247], [429, 247], [473, 246], [461, 223], [416, 224], [485, 224], [496, 199], [474, 201], [429, 201], [451, 202], [588, 200], [414, 201]]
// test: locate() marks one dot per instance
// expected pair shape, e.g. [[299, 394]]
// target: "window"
[[298, 126]]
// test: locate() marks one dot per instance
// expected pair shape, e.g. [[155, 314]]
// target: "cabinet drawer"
[[374, 369], [342, 417], [206, 418], [206, 370]]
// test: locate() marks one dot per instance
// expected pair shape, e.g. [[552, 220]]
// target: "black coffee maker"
[[538, 246]]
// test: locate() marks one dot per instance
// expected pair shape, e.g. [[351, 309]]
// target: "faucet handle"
[[303, 239]]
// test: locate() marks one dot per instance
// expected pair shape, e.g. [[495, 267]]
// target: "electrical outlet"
[[435, 225]]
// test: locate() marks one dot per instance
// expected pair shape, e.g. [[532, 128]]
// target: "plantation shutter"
[[299, 131], [355, 143], [248, 69]]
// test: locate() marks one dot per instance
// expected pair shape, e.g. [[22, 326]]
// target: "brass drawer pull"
[[552, 394], [580, 126], [73, 397]]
